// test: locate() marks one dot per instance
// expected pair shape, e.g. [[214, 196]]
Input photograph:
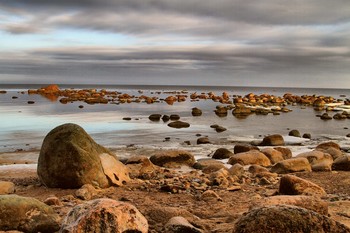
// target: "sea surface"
[[23, 126]]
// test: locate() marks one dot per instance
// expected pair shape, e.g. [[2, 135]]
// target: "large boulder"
[[273, 140], [250, 157], [104, 215], [222, 153], [70, 158], [292, 165], [173, 158], [308, 202], [293, 185], [287, 219], [27, 214]]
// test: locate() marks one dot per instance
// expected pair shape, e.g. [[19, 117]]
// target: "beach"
[[124, 126]]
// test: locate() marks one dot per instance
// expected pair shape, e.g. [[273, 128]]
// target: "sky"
[[272, 43]]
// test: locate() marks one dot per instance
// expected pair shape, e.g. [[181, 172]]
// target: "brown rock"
[[342, 163], [256, 169], [27, 214], [274, 156], [155, 117], [293, 185], [170, 158], [210, 195], [208, 165], [196, 112], [326, 145], [286, 152], [292, 165], [287, 219], [104, 215], [222, 153], [203, 140], [86, 192], [174, 117], [318, 160], [162, 214], [237, 170], [273, 140], [6, 187], [307, 202], [294, 133], [70, 158], [180, 225], [53, 201], [239, 148], [250, 157], [178, 124]]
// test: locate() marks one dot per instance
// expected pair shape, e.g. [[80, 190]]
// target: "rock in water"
[[70, 158], [104, 215], [287, 219], [27, 214], [273, 140]]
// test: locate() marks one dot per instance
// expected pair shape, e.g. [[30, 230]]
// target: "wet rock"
[[6, 187], [173, 158], [250, 157], [273, 140], [222, 153], [318, 160], [326, 145], [70, 158], [286, 152], [292, 165], [27, 214], [178, 124], [293, 185], [180, 225], [307, 202], [342, 163], [127, 118], [221, 111], [104, 215], [294, 133], [196, 112], [220, 129], [325, 116], [239, 148], [241, 111], [174, 117], [274, 156], [307, 135], [155, 117], [203, 140], [288, 219], [31, 102], [165, 118]]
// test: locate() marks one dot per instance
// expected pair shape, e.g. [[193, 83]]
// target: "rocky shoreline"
[[250, 187]]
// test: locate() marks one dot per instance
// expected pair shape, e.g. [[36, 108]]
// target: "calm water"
[[24, 126]]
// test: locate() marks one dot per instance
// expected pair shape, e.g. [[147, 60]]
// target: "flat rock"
[[171, 158], [250, 157], [292, 165]]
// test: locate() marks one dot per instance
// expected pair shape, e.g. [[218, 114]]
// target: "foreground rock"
[[104, 215], [70, 158], [27, 215], [318, 160], [173, 158], [342, 163], [287, 219], [293, 185], [6, 187], [180, 225]]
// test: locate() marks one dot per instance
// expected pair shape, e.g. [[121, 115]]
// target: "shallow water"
[[24, 126]]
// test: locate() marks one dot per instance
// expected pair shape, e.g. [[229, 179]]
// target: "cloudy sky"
[[295, 43]]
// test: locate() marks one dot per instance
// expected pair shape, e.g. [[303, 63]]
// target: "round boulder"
[[222, 153], [27, 214], [196, 112], [294, 133], [273, 140], [70, 158], [104, 215]]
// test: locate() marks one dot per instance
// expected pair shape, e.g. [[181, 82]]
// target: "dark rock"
[[104, 215], [165, 118], [174, 117], [239, 148], [307, 135], [214, 126], [31, 102], [127, 118], [342, 163], [178, 124], [273, 140], [155, 117], [294, 133], [287, 219], [325, 116], [222, 153], [196, 112], [220, 129], [203, 140], [27, 214], [70, 158]]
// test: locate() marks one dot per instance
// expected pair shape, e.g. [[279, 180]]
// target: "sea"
[[24, 126]]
